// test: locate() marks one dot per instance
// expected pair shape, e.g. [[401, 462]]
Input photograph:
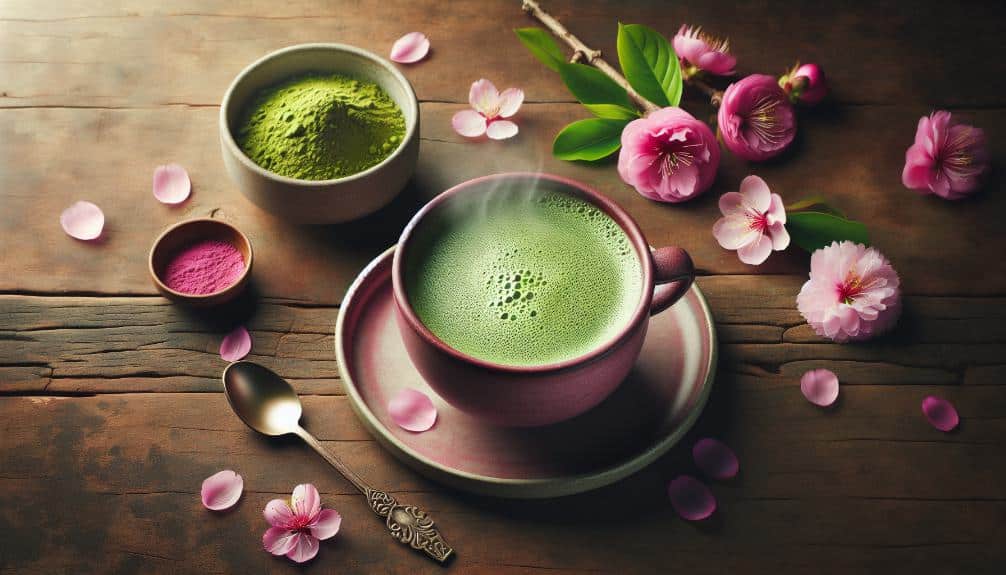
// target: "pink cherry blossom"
[[704, 51], [489, 107], [756, 118], [804, 84], [947, 159], [297, 526], [852, 294], [753, 222], [668, 156]]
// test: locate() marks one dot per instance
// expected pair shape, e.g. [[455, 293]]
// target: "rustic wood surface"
[[111, 411]]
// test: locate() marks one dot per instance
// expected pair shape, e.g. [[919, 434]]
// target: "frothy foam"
[[526, 282]]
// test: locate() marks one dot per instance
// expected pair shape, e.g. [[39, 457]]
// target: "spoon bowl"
[[262, 399]]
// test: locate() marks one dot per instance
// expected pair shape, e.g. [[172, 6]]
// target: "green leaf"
[[814, 204], [589, 140], [814, 230], [599, 93], [649, 64], [542, 45]]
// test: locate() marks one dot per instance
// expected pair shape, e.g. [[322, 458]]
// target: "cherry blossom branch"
[[581, 52]]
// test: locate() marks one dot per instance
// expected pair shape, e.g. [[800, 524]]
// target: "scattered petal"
[[715, 459], [327, 525], [469, 123], [410, 48], [171, 184], [83, 220], [691, 498], [501, 130], [941, 413], [412, 410], [236, 344], [222, 490], [820, 387]]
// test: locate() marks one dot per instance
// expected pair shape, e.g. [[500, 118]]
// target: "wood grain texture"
[[111, 413]]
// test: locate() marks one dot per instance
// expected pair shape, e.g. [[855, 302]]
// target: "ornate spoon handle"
[[408, 524]]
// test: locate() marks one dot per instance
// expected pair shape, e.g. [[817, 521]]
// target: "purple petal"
[[715, 459], [171, 184], [691, 498], [412, 410], [820, 387], [82, 220], [236, 344], [410, 48], [222, 490], [941, 413]]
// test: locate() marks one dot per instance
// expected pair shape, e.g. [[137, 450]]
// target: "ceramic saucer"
[[641, 420]]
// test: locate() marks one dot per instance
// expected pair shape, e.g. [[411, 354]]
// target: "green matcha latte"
[[529, 280], [320, 127]]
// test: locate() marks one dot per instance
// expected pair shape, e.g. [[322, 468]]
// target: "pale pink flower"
[[947, 159], [756, 118], [753, 222], [805, 84], [297, 526], [703, 51], [489, 108], [852, 294], [668, 156]]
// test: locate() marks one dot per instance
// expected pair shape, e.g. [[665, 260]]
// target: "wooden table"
[[112, 412]]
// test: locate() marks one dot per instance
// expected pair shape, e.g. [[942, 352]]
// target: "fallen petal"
[[691, 498], [236, 344], [469, 123], [327, 524], [222, 490], [171, 184], [501, 130], [305, 547], [941, 413], [412, 410], [820, 387], [410, 48], [715, 459], [83, 220]]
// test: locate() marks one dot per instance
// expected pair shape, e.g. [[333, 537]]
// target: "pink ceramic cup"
[[536, 395]]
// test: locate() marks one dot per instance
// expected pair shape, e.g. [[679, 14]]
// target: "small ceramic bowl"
[[186, 233], [320, 201]]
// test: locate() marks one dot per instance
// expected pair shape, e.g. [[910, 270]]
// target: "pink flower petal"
[[236, 344], [327, 524], [305, 547], [410, 48], [756, 193], [485, 98], [83, 220], [820, 387], [510, 101], [501, 130], [222, 490], [469, 123], [278, 541], [941, 413], [412, 410], [171, 184], [278, 513], [715, 459], [756, 252], [691, 498], [306, 502]]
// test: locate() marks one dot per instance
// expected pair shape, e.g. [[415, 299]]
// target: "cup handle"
[[673, 275]]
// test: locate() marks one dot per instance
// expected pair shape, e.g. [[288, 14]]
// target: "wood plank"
[[119, 477], [854, 158], [871, 56]]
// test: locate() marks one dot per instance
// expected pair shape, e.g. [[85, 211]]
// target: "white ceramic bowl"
[[320, 201]]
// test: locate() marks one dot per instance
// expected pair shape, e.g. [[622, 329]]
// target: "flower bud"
[[804, 84]]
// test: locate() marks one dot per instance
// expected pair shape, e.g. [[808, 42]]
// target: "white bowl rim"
[[228, 137]]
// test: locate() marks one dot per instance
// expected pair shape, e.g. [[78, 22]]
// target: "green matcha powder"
[[321, 127]]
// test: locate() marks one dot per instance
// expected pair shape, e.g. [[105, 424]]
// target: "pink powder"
[[204, 267]]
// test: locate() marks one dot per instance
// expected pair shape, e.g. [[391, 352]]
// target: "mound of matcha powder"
[[320, 127]]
